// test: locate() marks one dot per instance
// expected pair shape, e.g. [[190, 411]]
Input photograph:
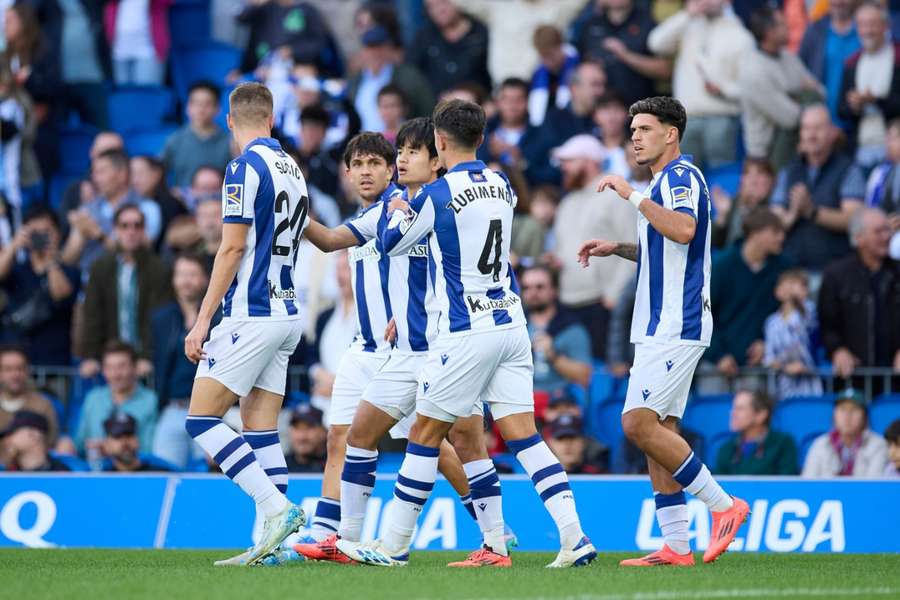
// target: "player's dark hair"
[[891, 434], [461, 121], [250, 103], [194, 258], [369, 143], [207, 167], [761, 22], [611, 98], [416, 133], [514, 82], [207, 86], [40, 211], [117, 157], [758, 219], [758, 163], [124, 209], [392, 89], [119, 347], [668, 110], [316, 114]]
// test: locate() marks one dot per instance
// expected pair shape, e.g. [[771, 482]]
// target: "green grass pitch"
[[175, 574]]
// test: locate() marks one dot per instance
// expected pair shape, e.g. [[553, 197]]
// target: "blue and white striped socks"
[[357, 482], [327, 519], [696, 480], [552, 484], [414, 484], [267, 448], [672, 516], [467, 504], [237, 460], [484, 487]]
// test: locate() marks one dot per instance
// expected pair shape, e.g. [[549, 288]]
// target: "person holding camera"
[[40, 290]]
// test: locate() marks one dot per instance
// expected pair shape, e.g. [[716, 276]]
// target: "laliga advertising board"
[[140, 511]]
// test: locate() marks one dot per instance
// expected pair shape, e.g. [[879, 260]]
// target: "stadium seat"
[[805, 418], [147, 142], [212, 61], [74, 149], [884, 411], [605, 423], [59, 183], [727, 177], [189, 22], [709, 415], [389, 462], [140, 108], [602, 383]]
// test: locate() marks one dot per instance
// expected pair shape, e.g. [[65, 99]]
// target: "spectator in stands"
[[870, 87], [561, 402], [206, 182], [81, 192], [616, 35], [859, 301], [754, 189], [173, 372], [307, 441], [590, 293], [148, 177], [139, 38], [789, 334], [199, 235], [742, 293], [124, 287], [586, 85], [560, 344], [851, 449], [807, 194], [450, 48], [381, 66], [200, 141], [550, 81], [18, 394], [577, 453], [773, 84], [827, 44], [75, 28], [892, 436], [510, 139], [26, 446], [122, 393], [541, 213], [755, 448], [121, 448], [511, 24], [40, 290], [92, 225], [882, 189], [611, 117], [392, 108], [708, 44], [321, 165]]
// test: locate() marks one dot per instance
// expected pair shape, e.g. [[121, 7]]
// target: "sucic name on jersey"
[[473, 193], [482, 304], [288, 168], [277, 294], [369, 251]]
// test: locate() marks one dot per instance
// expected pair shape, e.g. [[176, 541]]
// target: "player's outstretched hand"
[[595, 248], [193, 341], [617, 183], [390, 332]]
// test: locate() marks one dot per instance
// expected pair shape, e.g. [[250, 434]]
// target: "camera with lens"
[[39, 240]]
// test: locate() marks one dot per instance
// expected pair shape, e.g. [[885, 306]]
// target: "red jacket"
[[159, 25]]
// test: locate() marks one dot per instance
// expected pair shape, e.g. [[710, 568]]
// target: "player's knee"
[[467, 446], [359, 439], [636, 427]]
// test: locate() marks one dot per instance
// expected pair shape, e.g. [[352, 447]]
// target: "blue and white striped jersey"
[[412, 299], [672, 301], [470, 211], [265, 189], [369, 270]]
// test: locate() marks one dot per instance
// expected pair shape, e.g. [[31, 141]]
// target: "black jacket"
[[889, 105], [848, 307]]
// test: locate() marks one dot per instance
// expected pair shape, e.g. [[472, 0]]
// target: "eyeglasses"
[[130, 225]]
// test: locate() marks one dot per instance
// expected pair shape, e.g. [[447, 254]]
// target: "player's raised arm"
[[407, 226], [672, 223]]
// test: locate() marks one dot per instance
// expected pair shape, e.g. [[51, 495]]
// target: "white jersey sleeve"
[[365, 226]]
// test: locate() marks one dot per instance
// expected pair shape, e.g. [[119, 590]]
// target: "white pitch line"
[[727, 593]]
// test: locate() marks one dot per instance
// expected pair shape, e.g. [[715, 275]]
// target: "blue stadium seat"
[[605, 423], [189, 22], [727, 177], [602, 383], [390, 462], [140, 108], [884, 411], [147, 142], [74, 149], [211, 61], [805, 418], [59, 183], [709, 416], [73, 462]]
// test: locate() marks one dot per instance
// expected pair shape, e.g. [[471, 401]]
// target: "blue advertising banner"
[[208, 511]]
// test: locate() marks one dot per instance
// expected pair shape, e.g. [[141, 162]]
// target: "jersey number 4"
[[492, 246], [293, 223]]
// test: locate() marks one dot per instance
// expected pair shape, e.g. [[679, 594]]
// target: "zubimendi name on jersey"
[[471, 194]]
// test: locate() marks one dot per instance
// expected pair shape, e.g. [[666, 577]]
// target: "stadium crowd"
[[113, 151]]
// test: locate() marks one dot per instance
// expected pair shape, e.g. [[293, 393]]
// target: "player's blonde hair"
[[250, 104]]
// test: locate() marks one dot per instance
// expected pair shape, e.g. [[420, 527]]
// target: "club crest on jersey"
[[681, 196], [477, 176], [234, 199]]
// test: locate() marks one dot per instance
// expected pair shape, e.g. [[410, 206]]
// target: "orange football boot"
[[725, 525], [485, 557], [665, 556], [325, 550]]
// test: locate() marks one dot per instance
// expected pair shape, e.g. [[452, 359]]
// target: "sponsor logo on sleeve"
[[234, 199], [681, 196]]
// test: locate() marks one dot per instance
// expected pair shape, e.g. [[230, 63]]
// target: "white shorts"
[[461, 372], [242, 355], [393, 390], [354, 372], [661, 378]]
